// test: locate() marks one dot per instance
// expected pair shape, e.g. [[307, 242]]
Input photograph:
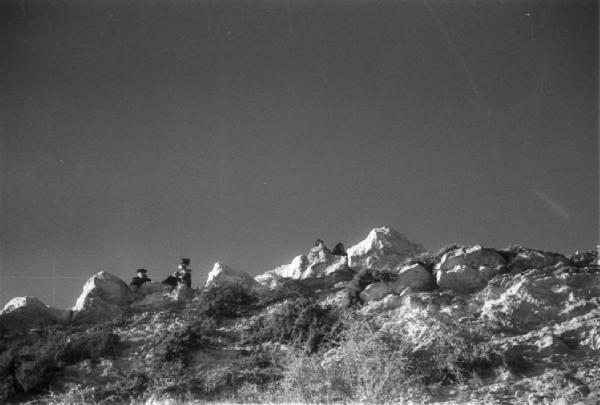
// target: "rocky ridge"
[[541, 311]]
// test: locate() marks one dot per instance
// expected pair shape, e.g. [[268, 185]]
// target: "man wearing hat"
[[140, 279], [185, 273]]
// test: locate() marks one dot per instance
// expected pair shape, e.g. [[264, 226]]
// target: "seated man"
[[140, 279], [181, 276], [185, 273]]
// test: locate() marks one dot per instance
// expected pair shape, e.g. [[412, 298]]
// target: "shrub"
[[258, 369], [286, 289], [301, 322], [175, 346], [31, 361], [228, 301], [388, 365], [89, 346]]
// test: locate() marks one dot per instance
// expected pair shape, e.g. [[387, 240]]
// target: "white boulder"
[[30, 312], [413, 276], [461, 279], [416, 277], [320, 264], [383, 249], [468, 269], [182, 293], [222, 274], [103, 297], [529, 300]]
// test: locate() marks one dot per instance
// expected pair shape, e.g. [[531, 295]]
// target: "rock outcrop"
[[468, 269], [222, 275], [152, 295], [383, 249], [586, 258], [317, 269], [413, 276], [524, 323], [539, 297], [104, 297], [520, 259], [30, 312]]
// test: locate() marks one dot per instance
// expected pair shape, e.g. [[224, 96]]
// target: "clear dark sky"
[[137, 132]]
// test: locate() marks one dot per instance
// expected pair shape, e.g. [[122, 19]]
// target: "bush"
[[301, 322], [175, 346], [228, 301], [30, 362], [286, 289], [258, 369], [89, 347], [371, 364]]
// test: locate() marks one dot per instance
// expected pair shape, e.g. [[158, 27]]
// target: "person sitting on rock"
[[183, 275], [140, 279], [339, 250]]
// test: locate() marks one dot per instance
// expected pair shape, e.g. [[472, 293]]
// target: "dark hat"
[[141, 271], [185, 261]]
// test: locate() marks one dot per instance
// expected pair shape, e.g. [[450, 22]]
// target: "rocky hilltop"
[[385, 321]]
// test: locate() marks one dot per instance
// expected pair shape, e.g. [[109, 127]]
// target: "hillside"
[[386, 322]]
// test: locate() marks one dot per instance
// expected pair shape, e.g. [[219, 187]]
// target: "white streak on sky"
[[322, 74], [455, 49], [550, 203]]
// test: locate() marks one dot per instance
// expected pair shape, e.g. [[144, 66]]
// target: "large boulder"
[[413, 276], [182, 293], [468, 269], [222, 275], [539, 297], [521, 259], [30, 312], [383, 249], [104, 297], [317, 270], [461, 279], [292, 270]]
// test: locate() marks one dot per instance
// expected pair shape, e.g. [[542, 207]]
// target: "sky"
[[133, 133]]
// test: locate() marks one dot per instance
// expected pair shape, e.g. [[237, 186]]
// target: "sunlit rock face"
[[30, 312], [318, 265], [292, 270], [539, 297], [468, 269], [537, 312], [413, 276], [104, 297], [383, 249], [222, 275]]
